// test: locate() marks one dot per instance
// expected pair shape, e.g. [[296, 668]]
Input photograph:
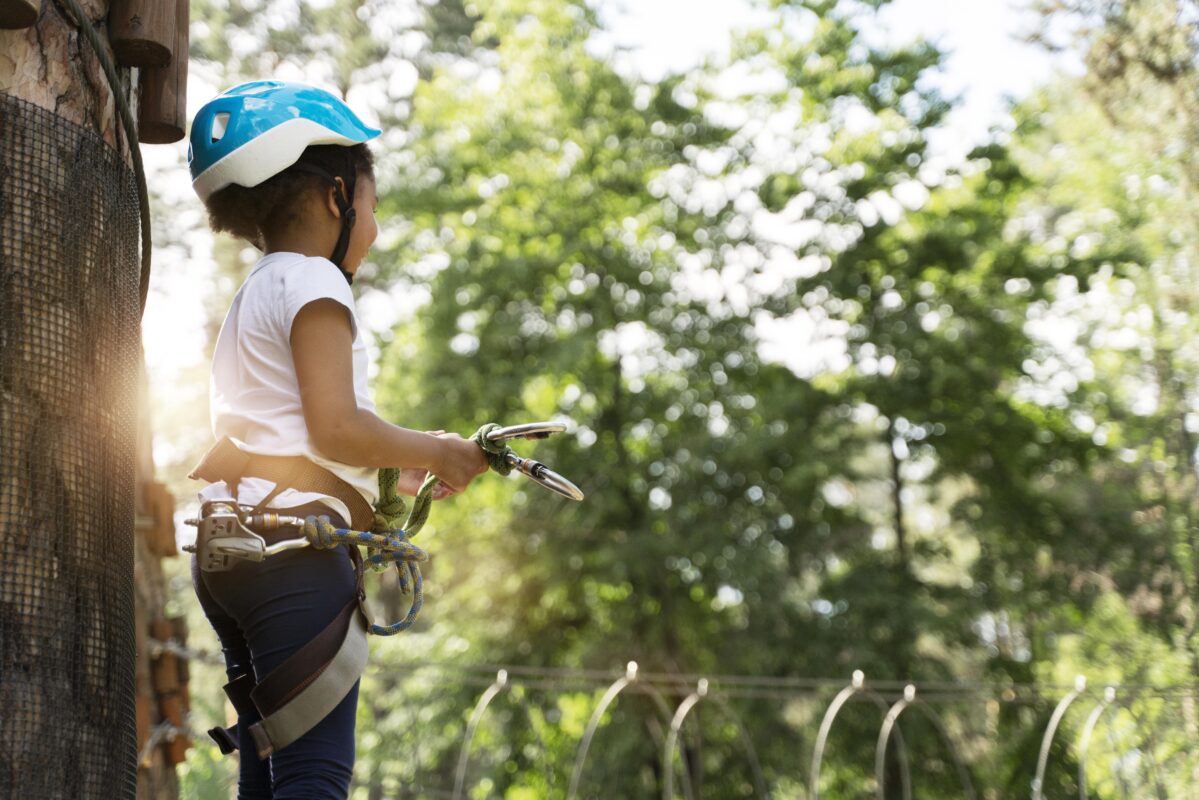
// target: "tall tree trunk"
[[68, 372]]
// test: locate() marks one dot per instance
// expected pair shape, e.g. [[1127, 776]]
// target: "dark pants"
[[262, 613]]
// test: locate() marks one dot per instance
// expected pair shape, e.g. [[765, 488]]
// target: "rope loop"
[[389, 541], [497, 452], [320, 533]]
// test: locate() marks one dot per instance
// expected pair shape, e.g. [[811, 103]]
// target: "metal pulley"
[[535, 469]]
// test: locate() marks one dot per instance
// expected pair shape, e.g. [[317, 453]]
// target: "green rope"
[[422, 504], [88, 31], [388, 540]]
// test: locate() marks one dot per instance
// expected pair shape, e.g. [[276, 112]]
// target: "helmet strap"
[[345, 204]]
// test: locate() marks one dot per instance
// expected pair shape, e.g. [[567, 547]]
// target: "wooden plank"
[[19, 13], [162, 102], [142, 32]]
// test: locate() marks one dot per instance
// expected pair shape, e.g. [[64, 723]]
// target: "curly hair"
[[271, 205]]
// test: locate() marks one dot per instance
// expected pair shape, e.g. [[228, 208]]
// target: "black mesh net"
[[69, 354]]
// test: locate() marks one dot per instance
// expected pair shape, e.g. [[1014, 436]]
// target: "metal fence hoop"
[[963, 772], [1038, 782], [1111, 740], [500, 683], [1084, 740], [891, 722], [1151, 740], [750, 751], [609, 697], [676, 724], [857, 686]]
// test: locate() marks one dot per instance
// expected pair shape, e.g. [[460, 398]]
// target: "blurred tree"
[[824, 417], [1111, 157], [617, 251]]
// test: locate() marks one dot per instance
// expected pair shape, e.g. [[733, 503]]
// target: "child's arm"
[[322, 344]]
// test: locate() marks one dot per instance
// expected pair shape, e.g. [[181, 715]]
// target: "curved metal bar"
[[1084, 741], [963, 773], [746, 742], [826, 725], [676, 724], [592, 724], [544, 475], [1109, 699], [1124, 790], [501, 683], [1038, 782], [527, 430], [856, 686], [884, 736]]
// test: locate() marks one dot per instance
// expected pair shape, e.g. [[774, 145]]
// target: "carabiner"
[[535, 469], [529, 430]]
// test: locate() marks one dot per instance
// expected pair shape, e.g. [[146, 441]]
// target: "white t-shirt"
[[254, 393]]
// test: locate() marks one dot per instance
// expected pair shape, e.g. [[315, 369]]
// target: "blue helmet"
[[256, 130]]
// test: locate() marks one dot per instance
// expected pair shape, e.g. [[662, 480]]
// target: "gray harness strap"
[[301, 691], [313, 703]]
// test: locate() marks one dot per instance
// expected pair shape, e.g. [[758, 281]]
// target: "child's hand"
[[411, 480], [461, 462]]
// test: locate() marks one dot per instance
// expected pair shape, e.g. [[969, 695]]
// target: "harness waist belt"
[[226, 462]]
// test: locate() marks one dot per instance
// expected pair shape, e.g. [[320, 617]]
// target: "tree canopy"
[[838, 404]]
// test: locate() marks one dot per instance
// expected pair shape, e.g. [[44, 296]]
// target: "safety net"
[[69, 360]]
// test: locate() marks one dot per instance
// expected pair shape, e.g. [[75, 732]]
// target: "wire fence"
[[1146, 733]]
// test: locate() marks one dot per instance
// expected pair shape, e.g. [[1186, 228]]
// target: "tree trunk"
[[51, 66], [69, 361]]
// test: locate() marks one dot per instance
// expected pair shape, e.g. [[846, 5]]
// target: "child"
[[286, 166]]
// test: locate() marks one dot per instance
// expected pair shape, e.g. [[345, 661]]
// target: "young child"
[[286, 166]]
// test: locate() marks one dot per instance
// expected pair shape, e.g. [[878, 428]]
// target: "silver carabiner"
[[535, 469], [529, 430]]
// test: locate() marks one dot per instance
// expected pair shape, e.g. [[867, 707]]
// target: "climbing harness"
[[308, 685]]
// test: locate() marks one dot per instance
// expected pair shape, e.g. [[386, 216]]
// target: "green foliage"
[[826, 417], [255, 38], [552, 215]]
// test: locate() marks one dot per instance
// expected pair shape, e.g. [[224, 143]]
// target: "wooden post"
[[142, 32], [162, 100], [19, 13]]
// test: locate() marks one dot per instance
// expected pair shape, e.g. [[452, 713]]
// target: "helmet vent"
[[220, 122]]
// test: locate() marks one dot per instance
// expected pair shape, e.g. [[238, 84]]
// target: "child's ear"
[[330, 198]]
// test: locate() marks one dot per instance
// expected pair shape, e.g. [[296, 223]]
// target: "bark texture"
[[69, 361]]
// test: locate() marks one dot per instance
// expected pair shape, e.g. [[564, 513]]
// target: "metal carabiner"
[[535, 469]]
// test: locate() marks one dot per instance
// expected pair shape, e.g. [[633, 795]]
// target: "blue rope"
[[383, 549]]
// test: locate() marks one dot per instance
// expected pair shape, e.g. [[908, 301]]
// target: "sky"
[[987, 62]]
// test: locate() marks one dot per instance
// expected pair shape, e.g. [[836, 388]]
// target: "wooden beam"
[[162, 102], [142, 32], [19, 13]]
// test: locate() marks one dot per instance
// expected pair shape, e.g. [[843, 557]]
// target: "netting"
[[69, 353]]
